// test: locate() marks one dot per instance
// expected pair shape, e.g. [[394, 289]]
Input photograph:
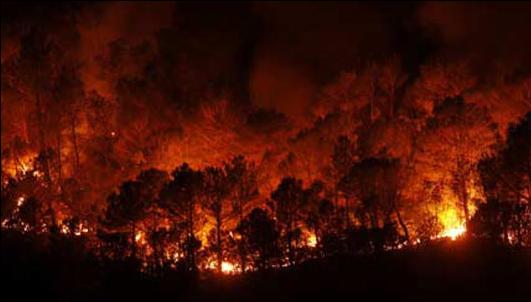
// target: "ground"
[[442, 271]]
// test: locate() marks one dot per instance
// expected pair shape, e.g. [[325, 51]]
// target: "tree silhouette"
[[126, 208], [343, 158], [259, 233], [243, 180], [216, 188], [376, 184], [69, 94], [8, 202], [133, 201], [288, 202], [179, 197], [506, 182]]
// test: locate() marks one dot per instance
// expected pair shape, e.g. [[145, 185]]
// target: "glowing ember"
[[81, 229], [140, 238], [20, 201], [64, 229]]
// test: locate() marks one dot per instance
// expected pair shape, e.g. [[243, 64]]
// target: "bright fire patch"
[[453, 225], [311, 241], [227, 267], [453, 233]]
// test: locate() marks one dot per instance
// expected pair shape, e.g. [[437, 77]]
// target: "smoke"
[[276, 84], [304, 46], [492, 36], [101, 24]]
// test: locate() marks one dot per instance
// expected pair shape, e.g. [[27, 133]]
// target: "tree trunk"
[[290, 248], [42, 141], [347, 212], [191, 239], [461, 189], [463, 196], [74, 142], [402, 224], [44, 153], [529, 178], [59, 164], [218, 235], [133, 246], [336, 193], [372, 108], [374, 218], [241, 248]]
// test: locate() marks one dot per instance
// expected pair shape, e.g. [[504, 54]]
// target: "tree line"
[[193, 217]]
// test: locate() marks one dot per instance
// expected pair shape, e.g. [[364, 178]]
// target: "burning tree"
[[455, 139]]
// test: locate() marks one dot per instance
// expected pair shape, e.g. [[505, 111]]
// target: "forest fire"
[[177, 140]]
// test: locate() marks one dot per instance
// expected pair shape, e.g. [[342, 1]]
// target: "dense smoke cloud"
[[299, 51], [279, 54], [102, 24], [491, 35]]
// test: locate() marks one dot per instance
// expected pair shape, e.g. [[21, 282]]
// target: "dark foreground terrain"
[[443, 271]]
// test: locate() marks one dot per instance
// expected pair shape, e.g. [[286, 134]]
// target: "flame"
[[453, 233], [80, 230], [64, 229], [20, 201], [24, 167], [453, 225], [140, 238], [311, 241], [22, 164], [227, 268]]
